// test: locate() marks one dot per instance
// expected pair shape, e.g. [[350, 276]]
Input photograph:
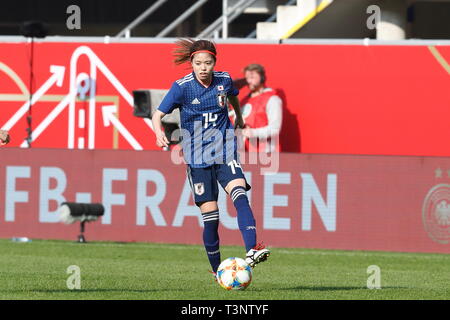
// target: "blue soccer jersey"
[[207, 133]]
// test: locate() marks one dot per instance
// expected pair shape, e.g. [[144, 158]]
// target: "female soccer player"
[[209, 144]]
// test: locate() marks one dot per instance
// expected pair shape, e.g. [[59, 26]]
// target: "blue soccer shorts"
[[203, 181]]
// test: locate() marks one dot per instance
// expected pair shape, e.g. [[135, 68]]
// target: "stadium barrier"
[[387, 203]]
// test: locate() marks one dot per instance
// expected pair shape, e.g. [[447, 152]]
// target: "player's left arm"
[[232, 93], [4, 137]]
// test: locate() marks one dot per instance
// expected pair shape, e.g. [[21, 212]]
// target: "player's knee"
[[207, 206], [238, 193]]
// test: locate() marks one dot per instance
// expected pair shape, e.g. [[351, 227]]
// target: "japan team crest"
[[199, 188], [221, 96]]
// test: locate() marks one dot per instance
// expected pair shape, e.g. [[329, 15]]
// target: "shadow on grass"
[[80, 291], [321, 288]]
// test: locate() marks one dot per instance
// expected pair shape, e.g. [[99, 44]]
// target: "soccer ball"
[[234, 274]]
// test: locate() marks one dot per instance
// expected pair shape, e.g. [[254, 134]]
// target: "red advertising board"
[[340, 99], [390, 203]]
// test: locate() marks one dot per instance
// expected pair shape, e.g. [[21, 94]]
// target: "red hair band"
[[207, 51]]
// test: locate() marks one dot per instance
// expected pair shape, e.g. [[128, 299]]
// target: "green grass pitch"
[[108, 270]]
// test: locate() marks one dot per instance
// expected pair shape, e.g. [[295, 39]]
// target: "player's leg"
[[205, 192], [232, 179], [237, 189], [211, 241]]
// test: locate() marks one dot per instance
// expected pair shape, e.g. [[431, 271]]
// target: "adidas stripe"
[[237, 192], [185, 79], [210, 216]]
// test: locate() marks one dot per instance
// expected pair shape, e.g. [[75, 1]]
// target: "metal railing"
[[220, 24], [272, 18], [127, 30], [181, 18], [228, 16]]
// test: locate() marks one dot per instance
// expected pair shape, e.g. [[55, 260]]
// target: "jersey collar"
[[200, 84]]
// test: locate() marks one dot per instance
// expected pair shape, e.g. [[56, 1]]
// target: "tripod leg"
[[81, 238]]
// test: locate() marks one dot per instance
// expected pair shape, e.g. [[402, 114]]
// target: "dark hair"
[[186, 47], [258, 68]]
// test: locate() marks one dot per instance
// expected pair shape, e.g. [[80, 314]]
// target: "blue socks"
[[246, 221], [211, 237]]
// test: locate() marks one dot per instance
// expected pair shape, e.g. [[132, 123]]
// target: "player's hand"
[[4, 137], [161, 140], [239, 123]]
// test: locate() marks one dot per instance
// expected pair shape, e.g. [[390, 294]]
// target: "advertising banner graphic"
[[386, 203]]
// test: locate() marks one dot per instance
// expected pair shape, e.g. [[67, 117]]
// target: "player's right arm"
[[161, 139], [173, 99]]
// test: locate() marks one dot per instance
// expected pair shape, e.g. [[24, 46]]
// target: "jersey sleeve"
[[173, 99]]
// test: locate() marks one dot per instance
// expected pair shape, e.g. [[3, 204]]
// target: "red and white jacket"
[[263, 114]]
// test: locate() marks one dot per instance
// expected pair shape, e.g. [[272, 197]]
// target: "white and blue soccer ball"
[[234, 274]]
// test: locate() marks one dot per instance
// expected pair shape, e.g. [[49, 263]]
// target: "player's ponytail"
[[186, 48]]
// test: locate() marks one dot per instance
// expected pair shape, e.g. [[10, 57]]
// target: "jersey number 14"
[[210, 118], [233, 164]]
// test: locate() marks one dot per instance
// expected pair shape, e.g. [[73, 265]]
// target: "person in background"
[[4, 137], [262, 111]]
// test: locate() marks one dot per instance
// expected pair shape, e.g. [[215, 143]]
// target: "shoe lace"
[[259, 246]]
